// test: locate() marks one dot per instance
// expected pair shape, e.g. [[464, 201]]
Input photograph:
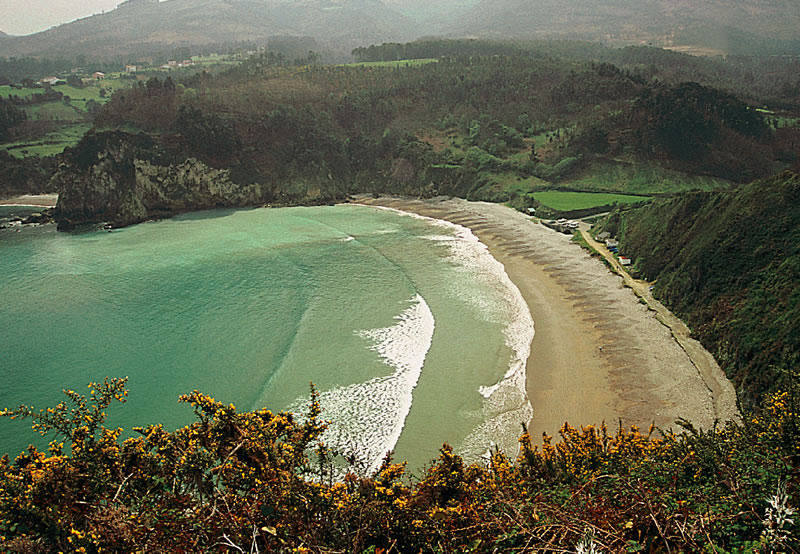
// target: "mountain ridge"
[[769, 25], [133, 26]]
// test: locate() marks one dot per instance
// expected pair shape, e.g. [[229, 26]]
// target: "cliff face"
[[122, 179]]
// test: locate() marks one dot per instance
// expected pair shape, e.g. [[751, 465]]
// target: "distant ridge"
[[137, 26], [725, 25]]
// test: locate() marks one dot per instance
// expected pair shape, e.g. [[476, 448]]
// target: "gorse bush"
[[263, 482]]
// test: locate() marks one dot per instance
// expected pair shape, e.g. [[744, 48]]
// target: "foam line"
[[367, 418], [506, 402]]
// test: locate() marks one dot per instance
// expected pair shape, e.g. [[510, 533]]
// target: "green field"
[[71, 118], [51, 144], [642, 178], [565, 201], [398, 63], [7, 91], [55, 111]]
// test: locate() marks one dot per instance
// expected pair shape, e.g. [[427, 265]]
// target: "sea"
[[409, 329]]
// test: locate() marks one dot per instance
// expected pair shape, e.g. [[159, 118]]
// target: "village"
[[129, 70]]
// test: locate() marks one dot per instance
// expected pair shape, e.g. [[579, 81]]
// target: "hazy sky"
[[23, 17]]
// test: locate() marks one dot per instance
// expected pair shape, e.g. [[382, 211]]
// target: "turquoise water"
[[411, 332]]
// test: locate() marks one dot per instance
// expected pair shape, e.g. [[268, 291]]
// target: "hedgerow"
[[265, 482]]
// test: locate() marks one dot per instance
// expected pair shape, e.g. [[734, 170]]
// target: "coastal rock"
[[122, 179]]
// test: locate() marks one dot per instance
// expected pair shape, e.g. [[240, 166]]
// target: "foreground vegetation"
[[262, 481]]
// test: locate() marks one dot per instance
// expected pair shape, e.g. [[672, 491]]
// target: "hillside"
[[136, 27], [143, 26], [728, 263], [725, 26]]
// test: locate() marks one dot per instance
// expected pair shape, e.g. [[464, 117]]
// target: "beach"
[[598, 354], [40, 200]]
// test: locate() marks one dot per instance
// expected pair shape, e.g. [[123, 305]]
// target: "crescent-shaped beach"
[[600, 353]]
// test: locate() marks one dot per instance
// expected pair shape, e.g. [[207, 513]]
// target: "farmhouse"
[[98, 75], [131, 69], [50, 81]]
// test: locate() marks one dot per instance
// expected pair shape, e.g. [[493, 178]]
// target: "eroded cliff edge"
[[119, 179]]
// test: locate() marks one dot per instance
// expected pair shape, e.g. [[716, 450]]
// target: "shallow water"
[[409, 329]]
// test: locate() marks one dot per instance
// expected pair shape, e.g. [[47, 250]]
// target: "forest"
[[493, 127]]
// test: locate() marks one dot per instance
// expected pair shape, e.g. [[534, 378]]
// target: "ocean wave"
[[506, 402], [367, 418]]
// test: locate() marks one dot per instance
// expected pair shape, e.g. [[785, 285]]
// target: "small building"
[[52, 81], [612, 243], [603, 236], [172, 63], [624, 260], [98, 75], [131, 69]]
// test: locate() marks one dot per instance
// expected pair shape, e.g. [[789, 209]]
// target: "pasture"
[[566, 201]]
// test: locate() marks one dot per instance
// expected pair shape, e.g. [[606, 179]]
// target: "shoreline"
[[598, 354], [31, 200]]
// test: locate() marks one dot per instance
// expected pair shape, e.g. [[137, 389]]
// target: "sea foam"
[[367, 418], [506, 404]]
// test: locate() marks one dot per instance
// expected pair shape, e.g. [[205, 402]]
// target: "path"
[[722, 391]]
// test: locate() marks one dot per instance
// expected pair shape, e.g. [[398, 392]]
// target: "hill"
[[769, 26], [485, 127], [724, 26], [140, 26], [728, 263]]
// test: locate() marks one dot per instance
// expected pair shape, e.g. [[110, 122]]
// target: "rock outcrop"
[[119, 179]]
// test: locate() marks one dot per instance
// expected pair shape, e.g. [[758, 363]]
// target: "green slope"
[[729, 264]]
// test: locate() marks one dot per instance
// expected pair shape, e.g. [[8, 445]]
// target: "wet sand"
[[598, 353]]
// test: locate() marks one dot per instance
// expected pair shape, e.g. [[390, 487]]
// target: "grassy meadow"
[[565, 201]]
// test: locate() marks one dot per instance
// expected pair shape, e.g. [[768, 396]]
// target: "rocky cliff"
[[122, 179]]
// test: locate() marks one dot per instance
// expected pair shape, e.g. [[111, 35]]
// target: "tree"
[[10, 116]]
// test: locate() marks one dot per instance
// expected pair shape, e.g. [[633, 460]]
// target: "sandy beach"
[[598, 354], [40, 200]]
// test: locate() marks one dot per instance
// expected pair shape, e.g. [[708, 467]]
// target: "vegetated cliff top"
[[267, 480], [729, 264]]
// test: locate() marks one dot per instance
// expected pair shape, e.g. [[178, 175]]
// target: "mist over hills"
[[139, 24], [727, 26], [736, 26]]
